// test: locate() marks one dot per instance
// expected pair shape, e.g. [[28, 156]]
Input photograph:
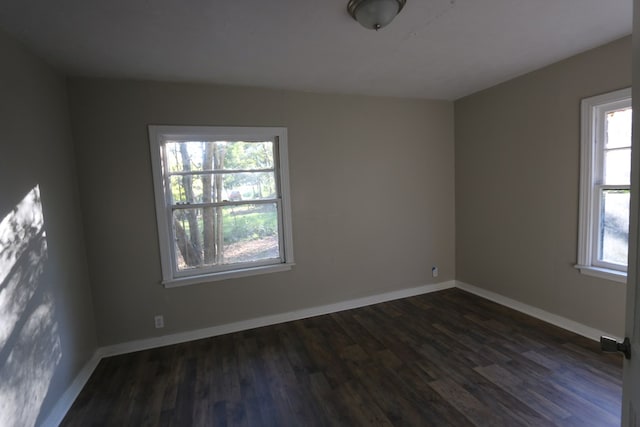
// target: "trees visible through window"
[[222, 200], [605, 184], [613, 191]]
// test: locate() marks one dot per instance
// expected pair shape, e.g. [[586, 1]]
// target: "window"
[[604, 185], [222, 202]]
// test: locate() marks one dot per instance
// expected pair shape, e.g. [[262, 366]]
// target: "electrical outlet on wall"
[[434, 271], [159, 319]]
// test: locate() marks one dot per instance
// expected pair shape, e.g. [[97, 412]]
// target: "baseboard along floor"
[[443, 358]]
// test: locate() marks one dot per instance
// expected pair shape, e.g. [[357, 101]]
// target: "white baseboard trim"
[[68, 397], [554, 319], [145, 344], [65, 401]]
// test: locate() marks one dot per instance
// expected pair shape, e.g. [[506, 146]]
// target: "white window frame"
[[158, 136], [593, 116]]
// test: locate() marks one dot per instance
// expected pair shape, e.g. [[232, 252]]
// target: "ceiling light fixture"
[[374, 14]]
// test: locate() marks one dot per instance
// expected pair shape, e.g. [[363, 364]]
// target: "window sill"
[[224, 275], [603, 273]]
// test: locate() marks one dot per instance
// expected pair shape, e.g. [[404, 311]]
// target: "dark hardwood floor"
[[442, 359]]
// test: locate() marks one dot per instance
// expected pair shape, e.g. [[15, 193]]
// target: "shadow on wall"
[[30, 346]]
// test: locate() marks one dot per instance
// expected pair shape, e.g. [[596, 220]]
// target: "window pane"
[[250, 233], [614, 226], [248, 155], [188, 236], [226, 235], [232, 187], [617, 167], [249, 186], [184, 156], [619, 128], [186, 188], [217, 155]]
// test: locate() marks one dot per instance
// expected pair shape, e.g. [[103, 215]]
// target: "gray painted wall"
[[372, 188], [47, 329], [517, 175]]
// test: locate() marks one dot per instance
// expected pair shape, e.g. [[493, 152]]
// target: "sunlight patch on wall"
[[25, 377], [19, 232], [30, 347]]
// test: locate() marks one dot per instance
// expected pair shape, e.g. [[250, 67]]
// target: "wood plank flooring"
[[442, 359]]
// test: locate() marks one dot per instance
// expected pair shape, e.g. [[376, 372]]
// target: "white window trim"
[[157, 135], [591, 133]]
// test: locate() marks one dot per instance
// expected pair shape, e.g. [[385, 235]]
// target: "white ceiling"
[[442, 49]]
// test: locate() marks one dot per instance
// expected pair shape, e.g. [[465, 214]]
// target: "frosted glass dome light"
[[374, 14]]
